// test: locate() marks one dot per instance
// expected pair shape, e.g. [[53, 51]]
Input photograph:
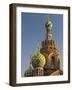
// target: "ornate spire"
[[38, 46], [48, 26]]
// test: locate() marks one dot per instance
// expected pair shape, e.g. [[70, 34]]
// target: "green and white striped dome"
[[38, 60]]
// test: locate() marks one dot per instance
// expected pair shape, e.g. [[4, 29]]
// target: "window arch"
[[53, 63]]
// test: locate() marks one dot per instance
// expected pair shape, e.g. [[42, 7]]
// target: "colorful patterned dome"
[[38, 60]]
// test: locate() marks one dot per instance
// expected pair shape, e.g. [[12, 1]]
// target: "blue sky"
[[33, 31]]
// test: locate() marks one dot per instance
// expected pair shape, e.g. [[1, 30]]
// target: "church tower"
[[50, 51], [47, 60]]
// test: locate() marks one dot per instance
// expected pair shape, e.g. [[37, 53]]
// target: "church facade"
[[47, 59]]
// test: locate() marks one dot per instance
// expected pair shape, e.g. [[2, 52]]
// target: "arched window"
[[53, 62]]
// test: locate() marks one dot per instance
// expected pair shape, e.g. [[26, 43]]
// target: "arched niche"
[[53, 61]]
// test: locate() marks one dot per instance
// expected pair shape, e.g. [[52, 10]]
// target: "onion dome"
[[38, 60], [28, 72], [49, 23]]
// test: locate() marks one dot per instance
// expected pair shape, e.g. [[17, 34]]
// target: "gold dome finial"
[[49, 18]]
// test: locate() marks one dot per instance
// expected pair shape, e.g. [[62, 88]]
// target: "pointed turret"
[[48, 26]]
